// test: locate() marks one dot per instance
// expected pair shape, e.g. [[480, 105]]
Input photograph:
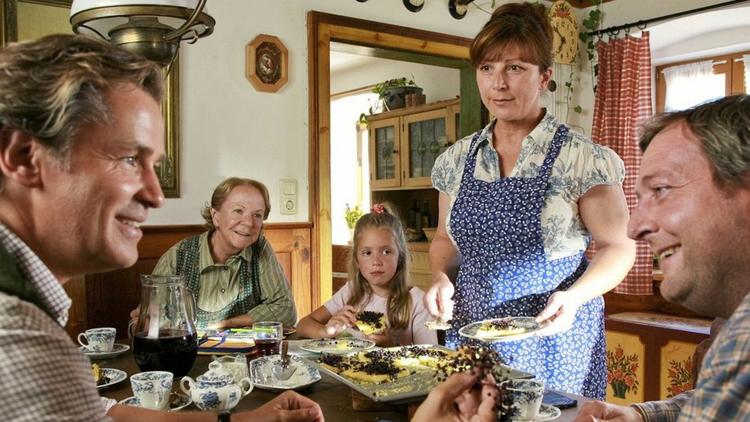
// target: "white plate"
[[529, 323], [260, 373], [337, 346], [115, 376], [546, 413], [117, 349], [177, 401]]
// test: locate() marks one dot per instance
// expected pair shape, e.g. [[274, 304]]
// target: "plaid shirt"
[[723, 390], [54, 378]]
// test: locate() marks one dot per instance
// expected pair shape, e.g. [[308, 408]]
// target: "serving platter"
[[528, 327], [411, 387], [261, 373], [337, 346]]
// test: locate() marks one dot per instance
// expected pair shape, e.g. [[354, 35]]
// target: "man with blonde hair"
[[80, 135]]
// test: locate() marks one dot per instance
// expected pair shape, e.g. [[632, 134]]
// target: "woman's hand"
[[559, 314], [438, 300], [595, 411], [340, 321], [457, 400]]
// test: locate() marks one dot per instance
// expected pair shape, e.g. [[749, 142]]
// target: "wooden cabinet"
[[650, 355], [404, 144]]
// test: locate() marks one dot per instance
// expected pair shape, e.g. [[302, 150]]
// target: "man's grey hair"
[[52, 86]]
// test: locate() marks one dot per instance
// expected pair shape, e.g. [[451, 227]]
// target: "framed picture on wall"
[[266, 63]]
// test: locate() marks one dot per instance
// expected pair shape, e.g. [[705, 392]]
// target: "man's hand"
[[286, 407], [595, 411], [455, 400]]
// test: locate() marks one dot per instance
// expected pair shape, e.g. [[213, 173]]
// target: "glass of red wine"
[[164, 337], [268, 335]]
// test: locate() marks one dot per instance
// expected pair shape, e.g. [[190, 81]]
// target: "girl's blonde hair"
[[399, 300]]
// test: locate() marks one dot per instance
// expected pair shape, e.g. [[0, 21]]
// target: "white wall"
[[437, 83], [230, 129]]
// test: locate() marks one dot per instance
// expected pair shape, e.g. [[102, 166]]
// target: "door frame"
[[322, 28]]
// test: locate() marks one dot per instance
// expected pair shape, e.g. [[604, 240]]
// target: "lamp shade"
[[151, 28]]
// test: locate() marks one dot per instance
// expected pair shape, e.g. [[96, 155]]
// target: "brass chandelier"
[[151, 28]]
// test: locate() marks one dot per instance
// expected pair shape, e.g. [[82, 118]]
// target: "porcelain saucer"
[[117, 349], [177, 401], [113, 376], [546, 413]]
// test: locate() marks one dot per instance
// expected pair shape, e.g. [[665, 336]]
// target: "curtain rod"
[[643, 23]]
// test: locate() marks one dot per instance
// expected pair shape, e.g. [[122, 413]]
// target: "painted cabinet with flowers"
[[650, 355]]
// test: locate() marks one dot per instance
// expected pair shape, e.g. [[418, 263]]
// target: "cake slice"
[[370, 322]]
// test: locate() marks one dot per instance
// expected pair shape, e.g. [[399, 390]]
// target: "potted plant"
[[351, 215], [393, 92]]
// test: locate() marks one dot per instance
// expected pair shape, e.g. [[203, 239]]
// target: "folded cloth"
[[225, 346]]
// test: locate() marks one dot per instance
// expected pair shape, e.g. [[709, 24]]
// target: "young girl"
[[378, 268]]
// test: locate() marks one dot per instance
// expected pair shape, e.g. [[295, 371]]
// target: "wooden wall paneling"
[[292, 245], [109, 297], [76, 290]]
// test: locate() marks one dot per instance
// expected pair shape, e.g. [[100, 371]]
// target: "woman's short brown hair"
[[222, 191], [523, 25]]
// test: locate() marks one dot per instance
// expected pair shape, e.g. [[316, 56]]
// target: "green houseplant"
[[392, 92]]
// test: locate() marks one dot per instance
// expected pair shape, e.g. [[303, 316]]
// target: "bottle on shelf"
[[414, 217], [425, 217]]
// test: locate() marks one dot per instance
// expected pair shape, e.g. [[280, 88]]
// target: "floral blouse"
[[581, 165]]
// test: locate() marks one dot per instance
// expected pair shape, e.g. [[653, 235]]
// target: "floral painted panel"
[[625, 373], [676, 366]]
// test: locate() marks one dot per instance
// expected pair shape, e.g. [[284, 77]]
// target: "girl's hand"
[[383, 339], [438, 300], [559, 313], [340, 321]]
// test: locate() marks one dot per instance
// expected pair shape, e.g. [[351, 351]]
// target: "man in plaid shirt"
[[80, 134], [694, 210]]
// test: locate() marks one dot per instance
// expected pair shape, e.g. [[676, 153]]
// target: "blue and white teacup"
[[98, 339], [152, 388], [522, 398]]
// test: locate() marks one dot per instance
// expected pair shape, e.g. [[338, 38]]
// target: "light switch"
[[288, 197]]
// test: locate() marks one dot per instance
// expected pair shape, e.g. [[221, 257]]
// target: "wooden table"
[[333, 397]]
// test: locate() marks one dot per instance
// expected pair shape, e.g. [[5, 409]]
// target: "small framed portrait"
[[266, 63]]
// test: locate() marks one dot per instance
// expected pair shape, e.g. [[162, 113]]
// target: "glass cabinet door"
[[385, 165], [425, 138]]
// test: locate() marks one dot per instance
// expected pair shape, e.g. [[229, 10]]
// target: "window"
[[685, 84]]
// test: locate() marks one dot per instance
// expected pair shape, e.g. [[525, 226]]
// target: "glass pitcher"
[[164, 337]]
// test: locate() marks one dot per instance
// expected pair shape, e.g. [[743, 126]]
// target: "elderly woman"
[[231, 268], [519, 202]]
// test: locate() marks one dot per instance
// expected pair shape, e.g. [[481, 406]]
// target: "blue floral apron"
[[504, 272]]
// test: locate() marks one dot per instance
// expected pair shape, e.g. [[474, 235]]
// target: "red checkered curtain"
[[622, 103]]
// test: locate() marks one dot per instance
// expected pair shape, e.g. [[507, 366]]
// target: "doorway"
[[322, 30]]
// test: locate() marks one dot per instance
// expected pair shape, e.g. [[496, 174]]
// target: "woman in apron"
[[519, 202]]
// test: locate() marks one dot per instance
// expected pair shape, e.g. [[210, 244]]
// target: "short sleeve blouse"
[[581, 165], [415, 333]]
